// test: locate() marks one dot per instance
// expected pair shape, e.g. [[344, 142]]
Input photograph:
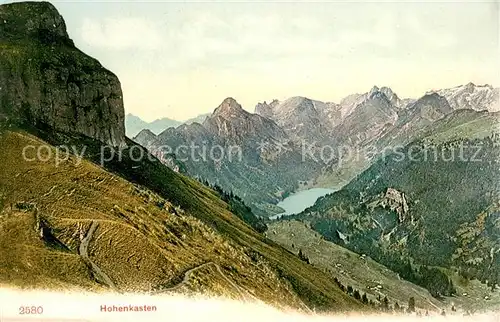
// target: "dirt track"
[[83, 250]]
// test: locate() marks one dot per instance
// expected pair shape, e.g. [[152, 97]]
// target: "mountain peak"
[[132, 116], [472, 87], [376, 92], [265, 109], [145, 134], [297, 102], [229, 106], [432, 97], [230, 101], [388, 92], [431, 106]]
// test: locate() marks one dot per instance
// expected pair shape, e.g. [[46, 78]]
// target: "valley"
[[369, 216], [375, 203]]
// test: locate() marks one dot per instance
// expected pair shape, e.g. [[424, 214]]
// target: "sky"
[[181, 59]]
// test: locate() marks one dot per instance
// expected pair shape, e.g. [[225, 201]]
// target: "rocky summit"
[[232, 123], [45, 80]]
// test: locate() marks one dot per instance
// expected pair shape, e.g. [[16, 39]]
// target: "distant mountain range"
[[303, 117], [302, 142], [134, 124]]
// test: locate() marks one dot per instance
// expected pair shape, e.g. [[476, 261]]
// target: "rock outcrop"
[[396, 201], [47, 82], [266, 109]]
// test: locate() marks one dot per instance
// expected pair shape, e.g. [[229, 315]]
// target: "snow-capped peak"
[[471, 96]]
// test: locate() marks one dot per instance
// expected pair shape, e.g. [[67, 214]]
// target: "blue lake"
[[301, 200]]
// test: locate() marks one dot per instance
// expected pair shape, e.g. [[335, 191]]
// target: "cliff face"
[[46, 81]]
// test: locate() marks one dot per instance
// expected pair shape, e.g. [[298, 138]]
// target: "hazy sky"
[[180, 59]]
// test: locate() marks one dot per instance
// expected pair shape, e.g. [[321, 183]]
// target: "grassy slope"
[[463, 124], [163, 246]]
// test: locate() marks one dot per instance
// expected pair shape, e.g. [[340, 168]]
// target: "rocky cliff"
[[46, 81]]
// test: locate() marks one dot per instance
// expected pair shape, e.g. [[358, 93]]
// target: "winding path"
[[103, 277], [83, 250], [185, 279], [187, 275]]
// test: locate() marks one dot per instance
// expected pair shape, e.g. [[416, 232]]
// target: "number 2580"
[[25, 310]]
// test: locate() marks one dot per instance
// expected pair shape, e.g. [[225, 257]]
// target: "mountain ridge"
[[424, 205], [134, 125], [472, 96], [377, 119], [350, 101]]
